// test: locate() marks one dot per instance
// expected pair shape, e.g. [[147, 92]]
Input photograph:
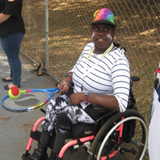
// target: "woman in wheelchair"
[[101, 79]]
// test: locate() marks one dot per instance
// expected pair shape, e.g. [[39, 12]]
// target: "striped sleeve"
[[121, 82]]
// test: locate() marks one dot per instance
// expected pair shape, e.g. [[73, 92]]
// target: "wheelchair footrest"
[[25, 156]]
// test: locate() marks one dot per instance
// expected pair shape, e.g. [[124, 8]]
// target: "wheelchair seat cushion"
[[96, 112], [82, 130]]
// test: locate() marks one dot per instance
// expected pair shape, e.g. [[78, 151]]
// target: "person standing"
[[12, 31], [154, 127]]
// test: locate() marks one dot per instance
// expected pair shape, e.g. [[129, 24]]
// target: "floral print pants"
[[62, 105]]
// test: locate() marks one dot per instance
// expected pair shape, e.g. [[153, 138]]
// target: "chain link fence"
[[60, 40]]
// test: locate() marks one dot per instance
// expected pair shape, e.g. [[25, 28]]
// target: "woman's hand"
[[77, 98], [63, 86]]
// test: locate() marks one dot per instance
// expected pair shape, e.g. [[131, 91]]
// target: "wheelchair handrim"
[[118, 124]]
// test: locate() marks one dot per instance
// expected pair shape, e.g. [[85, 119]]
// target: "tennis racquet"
[[29, 100]]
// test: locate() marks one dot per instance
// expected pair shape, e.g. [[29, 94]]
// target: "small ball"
[[14, 92]]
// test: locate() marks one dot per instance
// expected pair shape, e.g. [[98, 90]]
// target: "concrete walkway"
[[15, 127]]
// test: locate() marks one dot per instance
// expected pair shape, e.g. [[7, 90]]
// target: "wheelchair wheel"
[[108, 145]]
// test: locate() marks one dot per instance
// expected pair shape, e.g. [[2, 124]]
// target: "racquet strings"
[[26, 100]]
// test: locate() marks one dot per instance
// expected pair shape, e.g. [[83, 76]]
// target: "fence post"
[[47, 34]]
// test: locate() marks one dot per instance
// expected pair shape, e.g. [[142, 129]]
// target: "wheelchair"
[[115, 136]]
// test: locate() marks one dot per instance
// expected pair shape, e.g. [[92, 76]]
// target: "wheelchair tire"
[[106, 144]]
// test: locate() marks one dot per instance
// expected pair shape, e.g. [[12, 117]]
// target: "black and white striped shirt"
[[105, 76]]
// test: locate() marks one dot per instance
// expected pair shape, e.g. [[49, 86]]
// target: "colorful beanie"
[[104, 16]]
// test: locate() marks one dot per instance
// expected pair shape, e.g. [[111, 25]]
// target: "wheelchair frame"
[[106, 142], [87, 141]]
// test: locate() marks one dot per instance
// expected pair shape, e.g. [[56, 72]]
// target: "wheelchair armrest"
[[106, 115], [100, 121], [135, 78]]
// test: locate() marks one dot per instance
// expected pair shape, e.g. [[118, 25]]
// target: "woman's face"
[[102, 36]]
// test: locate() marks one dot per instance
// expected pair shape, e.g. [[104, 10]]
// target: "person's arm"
[[106, 101], [4, 17], [63, 85]]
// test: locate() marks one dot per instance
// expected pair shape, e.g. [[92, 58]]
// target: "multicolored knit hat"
[[103, 16]]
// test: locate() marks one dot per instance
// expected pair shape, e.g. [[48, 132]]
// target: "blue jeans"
[[11, 46]]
